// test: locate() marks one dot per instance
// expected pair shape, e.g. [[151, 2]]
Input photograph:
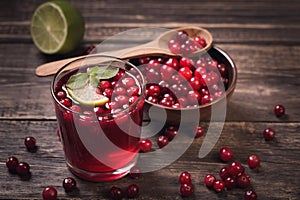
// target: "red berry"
[[61, 95], [243, 181], [235, 168], [135, 172], [250, 195], [12, 163], [224, 173], [166, 72], [185, 62], [104, 84], [225, 154], [174, 46], [219, 185], [49, 193], [144, 60], [30, 142], [132, 191], [23, 168], [69, 184], [199, 132], [186, 189], [116, 193], [162, 141], [200, 41], [182, 36], [279, 110], [128, 82], [145, 145], [230, 183], [66, 102], [172, 62], [209, 180], [153, 90], [195, 82], [253, 161], [186, 72], [171, 132], [185, 177], [269, 134]]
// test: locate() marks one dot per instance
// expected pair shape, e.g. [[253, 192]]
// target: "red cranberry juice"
[[105, 138]]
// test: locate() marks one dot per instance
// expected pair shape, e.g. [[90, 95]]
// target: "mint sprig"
[[93, 76]]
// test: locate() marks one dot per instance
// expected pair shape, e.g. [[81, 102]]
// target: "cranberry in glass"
[[162, 141], [166, 72], [23, 168], [171, 132], [250, 195], [49, 193], [69, 184], [253, 161], [185, 177], [235, 168], [185, 62], [30, 142], [153, 90], [66, 102], [224, 173], [61, 94], [195, 82], [132, 191], [219, 185], [145, 145], [279, 110], [199, 132], [186, 72], [116, 193], [209, 180], [243, 181], [230, 183], [225, 154], [269, 134], [12, 163], [172, 62], [186, 189], [134, 172]]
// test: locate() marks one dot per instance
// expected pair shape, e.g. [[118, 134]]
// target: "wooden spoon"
[[158, 46]]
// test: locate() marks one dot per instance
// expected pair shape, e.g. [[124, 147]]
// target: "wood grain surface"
[[262, 37]]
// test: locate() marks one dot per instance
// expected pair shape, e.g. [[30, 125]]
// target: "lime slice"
[[57, 27], [87, 95]]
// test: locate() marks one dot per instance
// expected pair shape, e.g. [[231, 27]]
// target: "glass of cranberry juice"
[[99, 105]]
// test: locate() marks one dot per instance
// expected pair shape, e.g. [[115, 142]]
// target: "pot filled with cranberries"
[[190, 86]]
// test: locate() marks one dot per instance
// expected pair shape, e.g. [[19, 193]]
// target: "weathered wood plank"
[[277, 178]]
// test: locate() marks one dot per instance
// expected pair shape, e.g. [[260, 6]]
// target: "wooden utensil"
[[158, 46]]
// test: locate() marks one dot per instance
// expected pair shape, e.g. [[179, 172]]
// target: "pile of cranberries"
[[182, 43], [116, 193], [183, 82]]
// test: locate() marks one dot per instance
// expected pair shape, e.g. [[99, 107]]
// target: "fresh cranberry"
[[172, 62], [153, 64], [49, 193], [171, 132], [145, 145], [230, 183], [224, 173], [76, 108], [195, 82], [200, 41], [128, 82], [166, 102], [108, 92], [153, 90], [132, 191], [185, 62], [121, 99], [133, 91], [132, 99], [269, 134], [120, 91], [186, 72], [222, 69], [253, 161], [144, 60], [104, 84], [69, 184], [235, 168], [225, 154], [166, 72], [135, 172], [152, 99], [162, 141], [206, 99], [116, 193], [12, 163], [279, 110], [182, 36], [209, 180], [219, 185], [23, 168], [61, 95], [199, 132], [194, 97], [243, 181], [66, 102], [30, 142], [186, 189], [98, 110], [119, 75], [250, 195], [212, 65], [183, 102], [185, 177], [174, 46]]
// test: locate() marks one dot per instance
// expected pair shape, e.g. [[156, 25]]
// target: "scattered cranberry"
[[209, 180], [30, 142], [185, 177], [132, 191], [230, 183], [199, 132], [243, 181], [171, 132], [226, 154], [162, 141], [250, 195], [235, 169], [219, 185], [134, 172], [69, 184], [186, 189], [12, 163], [279, 110], [23, 168], [49, 193], [145, 145], [224, 174], [253, 161], [116, 193], [269, 134]]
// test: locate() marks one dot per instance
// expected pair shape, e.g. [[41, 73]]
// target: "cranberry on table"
[[269, 134], [279, 110], [209, 180], [230, 183], [199, 132], [30, 142], [12, 163], [186, 189], [134, 172], [224, 173], [219, 185], [243, 181], [23, 168], [132, 191], [171, 132], [116, 193], [49, 193], [69, 184], [250, 195], [145, 145], [185, 177], [253, 161], [235, 168], [162, 141], [226, 154]]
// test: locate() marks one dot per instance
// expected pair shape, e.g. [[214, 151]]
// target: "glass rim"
[[113, 58]]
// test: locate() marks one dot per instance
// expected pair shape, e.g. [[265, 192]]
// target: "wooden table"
[[262, 38]]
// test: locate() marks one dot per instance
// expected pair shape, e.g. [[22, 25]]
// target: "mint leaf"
[[93, 70], [94, 81], [107, 72], [77, 81]]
